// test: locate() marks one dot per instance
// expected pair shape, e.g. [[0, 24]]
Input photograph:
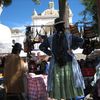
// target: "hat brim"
[[60, 22], [20, 48]]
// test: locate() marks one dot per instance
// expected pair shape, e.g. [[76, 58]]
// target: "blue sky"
[[19, 13]]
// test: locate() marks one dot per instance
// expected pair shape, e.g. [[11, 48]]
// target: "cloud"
[[21, 27]]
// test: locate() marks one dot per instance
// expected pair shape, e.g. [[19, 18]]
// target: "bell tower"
[[51, 4]]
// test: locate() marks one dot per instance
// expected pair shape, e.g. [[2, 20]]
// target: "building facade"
[[43, 23]]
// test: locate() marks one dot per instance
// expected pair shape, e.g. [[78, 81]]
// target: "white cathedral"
[[42, 23]]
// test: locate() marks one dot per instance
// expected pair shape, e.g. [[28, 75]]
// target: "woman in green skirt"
[[65, 80]]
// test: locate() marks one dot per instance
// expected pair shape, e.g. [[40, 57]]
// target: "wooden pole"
[[62, 9], [98, 14]]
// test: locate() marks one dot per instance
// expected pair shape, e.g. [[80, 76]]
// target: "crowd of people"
[[58, 76]]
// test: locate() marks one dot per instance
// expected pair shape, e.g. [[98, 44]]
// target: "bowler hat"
[[17, 46], [58, 21]]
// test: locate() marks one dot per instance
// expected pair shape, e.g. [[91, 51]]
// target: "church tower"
[[48, 16]]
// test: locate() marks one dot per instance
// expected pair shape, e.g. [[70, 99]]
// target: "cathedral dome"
[[50, 12]]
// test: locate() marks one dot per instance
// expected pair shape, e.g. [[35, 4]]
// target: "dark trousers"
[[14, 97]]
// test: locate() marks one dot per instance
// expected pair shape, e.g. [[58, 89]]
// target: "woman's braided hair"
[[59, 45]]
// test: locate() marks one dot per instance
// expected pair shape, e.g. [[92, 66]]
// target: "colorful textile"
[[36, 88], [63, 83], [77, 75]]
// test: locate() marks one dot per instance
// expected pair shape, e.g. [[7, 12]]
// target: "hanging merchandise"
[[88, 32], [97, 45], [74, 30], [87, 47]]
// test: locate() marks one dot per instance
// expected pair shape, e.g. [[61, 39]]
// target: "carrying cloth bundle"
[[88, 32], [77, 75]]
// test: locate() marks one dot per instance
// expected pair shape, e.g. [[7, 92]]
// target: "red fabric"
[[88, 71], [36, 88]]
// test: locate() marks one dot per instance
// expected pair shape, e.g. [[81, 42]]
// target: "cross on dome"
[[51, 4]]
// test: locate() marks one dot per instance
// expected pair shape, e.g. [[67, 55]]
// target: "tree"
[[91, 11], [36, 1], [5, 2], [62, 9]]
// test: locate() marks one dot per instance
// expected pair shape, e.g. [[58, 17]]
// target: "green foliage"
[[90, 6], [36, 1], [6, 2], [90, 11]]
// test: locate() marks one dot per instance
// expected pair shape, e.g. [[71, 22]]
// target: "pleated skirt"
[[63, 83]]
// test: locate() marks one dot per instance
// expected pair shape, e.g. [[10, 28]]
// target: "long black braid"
[[59, 49]]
